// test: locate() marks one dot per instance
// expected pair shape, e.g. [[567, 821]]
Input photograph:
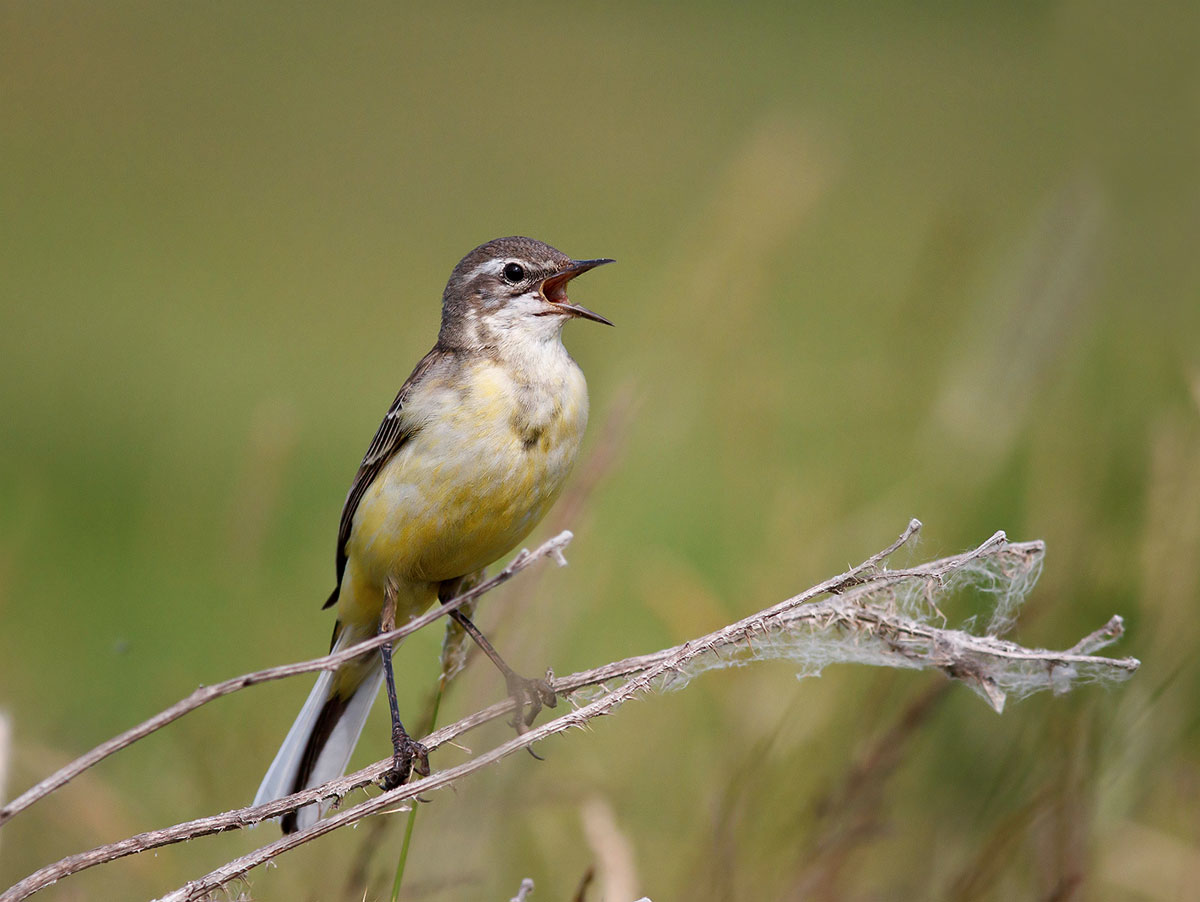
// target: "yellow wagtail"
[[469, 457]]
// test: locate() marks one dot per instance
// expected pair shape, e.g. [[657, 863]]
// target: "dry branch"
[[523, 892], [205, 694], [872, 615]]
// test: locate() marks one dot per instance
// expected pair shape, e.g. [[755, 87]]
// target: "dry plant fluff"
[[893, 618]]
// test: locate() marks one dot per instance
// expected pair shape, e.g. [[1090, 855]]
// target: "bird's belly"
[[462, 492]]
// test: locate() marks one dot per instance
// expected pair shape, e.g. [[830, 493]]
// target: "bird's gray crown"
[[543, 258], [489, 277]]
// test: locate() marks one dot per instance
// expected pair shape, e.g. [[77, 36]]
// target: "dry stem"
[[854, 607], [205, 694]]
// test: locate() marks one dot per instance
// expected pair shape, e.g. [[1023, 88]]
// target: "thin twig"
[[205, 694], [1101, 638], [5, 749], [524, 891]]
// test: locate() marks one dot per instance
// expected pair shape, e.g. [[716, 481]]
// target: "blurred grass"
[[908, 260]]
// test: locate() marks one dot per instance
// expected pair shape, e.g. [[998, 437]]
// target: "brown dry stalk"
[[863, 605], [205, 694]]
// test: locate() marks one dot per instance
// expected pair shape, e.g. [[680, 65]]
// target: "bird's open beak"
[[554, 289]]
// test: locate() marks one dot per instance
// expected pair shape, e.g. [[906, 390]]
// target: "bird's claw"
[[532, 695], [408, 757]]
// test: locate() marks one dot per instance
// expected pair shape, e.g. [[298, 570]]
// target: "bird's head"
[[508, 287]]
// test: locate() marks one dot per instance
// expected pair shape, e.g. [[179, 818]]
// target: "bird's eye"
[[514, 273]]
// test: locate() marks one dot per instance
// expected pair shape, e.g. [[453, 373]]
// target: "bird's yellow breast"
[[490, 453]]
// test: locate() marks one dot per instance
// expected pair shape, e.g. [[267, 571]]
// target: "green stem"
[[412, 812]]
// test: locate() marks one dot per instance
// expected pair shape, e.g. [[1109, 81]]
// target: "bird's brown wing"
[[393, 432]]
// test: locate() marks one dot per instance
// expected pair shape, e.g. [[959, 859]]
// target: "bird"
[[472, 453]]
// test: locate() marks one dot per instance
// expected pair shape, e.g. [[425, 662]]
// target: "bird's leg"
[[533, 693], [408, 755], [527, 693]]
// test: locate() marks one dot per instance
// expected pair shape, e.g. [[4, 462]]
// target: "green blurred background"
[[905, 260]]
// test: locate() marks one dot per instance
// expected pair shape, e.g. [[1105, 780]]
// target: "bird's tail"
[[320, 742]]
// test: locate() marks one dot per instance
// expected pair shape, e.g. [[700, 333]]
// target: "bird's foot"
[[408, 757], [531, 696]]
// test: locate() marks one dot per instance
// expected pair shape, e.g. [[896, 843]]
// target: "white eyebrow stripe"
[[492, 267]]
